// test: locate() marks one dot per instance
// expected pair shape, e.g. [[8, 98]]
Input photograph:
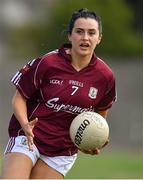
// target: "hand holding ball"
[[89, 130]]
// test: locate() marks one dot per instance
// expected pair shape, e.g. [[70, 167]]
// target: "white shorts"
[[61, 164]]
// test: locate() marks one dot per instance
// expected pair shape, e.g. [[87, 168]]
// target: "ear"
[[99, 39], [69, 37]]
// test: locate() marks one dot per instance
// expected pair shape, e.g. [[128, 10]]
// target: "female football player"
[[50, 91]]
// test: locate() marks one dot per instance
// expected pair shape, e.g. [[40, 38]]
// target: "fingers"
[[30, 143], [29, 133], [91, 152], [95, 151], [33, 122], [30, 137]]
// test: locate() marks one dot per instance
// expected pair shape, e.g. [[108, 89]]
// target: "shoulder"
[[51, 58], [104, 69]]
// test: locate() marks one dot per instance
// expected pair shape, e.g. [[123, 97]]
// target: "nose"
[[85, 36]]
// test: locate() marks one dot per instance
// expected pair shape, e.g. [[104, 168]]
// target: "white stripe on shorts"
[[10, 145], [19, 144], [62, 164]]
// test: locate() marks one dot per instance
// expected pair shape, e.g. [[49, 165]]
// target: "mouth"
[[84, 45]]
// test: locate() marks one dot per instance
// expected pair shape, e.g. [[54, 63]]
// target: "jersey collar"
[[62, 51]]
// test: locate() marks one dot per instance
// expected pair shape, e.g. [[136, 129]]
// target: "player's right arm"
[[20, 112], [31, 73]]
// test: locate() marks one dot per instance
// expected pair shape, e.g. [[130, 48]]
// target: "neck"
[[80, 62]]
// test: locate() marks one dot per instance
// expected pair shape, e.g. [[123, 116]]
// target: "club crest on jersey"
[[93, 92]]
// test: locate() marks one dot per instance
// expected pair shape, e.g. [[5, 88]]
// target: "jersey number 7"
[[75, 88]]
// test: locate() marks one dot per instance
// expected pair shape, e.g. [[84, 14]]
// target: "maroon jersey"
[[56, 93]]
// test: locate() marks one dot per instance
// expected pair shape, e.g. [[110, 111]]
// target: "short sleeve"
[[109, 97], [29, 78]]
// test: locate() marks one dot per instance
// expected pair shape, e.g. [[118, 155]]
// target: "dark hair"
[[84, 13]]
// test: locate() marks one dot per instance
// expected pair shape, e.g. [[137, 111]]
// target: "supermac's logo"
[[57, 106], [93, 92]]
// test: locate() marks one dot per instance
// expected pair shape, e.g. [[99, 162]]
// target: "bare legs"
[[19, 166], [16, 166], [43, 171]]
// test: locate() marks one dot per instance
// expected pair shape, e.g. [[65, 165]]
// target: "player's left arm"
[[103, 113]]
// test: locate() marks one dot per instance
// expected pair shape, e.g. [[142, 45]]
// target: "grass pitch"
[[113, 165], [107, 165]]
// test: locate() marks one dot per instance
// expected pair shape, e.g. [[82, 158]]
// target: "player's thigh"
[[42, 171], [16, 166]]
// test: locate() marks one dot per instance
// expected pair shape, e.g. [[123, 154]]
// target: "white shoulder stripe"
[[31, 62], [16, 78]]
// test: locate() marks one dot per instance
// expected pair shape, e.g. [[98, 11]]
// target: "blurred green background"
[[122, 29], [31, 28]]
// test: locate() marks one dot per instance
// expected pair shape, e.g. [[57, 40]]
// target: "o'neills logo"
[[79, 133]]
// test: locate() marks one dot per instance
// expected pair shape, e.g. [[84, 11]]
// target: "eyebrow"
[[84, 29]]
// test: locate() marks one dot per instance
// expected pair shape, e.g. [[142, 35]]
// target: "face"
[[84, 36]]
